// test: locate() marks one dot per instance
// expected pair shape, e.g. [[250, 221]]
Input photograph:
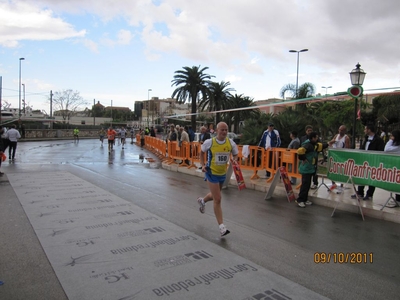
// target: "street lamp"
[[297, 76], [19, 87], [357, 77], [23, 100], [326, 89]]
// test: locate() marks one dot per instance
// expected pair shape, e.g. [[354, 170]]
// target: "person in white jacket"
[[12, 135], [393, 146]]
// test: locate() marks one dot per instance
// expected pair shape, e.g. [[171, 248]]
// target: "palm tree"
[[218, 99], [190, 83], [305, 90], [240, 101]]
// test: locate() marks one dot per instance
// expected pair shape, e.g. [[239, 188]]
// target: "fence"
[[251, 158]]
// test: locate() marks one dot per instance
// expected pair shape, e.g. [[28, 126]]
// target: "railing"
[[251, 158]]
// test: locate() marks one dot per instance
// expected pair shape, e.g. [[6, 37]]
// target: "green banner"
[[374, 168]]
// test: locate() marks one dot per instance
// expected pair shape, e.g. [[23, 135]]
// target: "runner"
[[111, 133], [122, 134], [218, 151], [118, 136], [102, 133]]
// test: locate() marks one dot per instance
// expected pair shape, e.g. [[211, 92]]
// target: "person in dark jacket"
[[308, 129], [372, 142], [204, 135]]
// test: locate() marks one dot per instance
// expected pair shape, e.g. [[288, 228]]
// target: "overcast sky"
[[119, 49]]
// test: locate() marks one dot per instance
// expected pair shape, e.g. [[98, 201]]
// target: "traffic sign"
[[355, 91]]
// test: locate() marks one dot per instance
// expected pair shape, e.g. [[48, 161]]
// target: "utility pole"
[[94, 112]]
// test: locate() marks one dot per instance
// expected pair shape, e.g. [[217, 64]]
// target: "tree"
[[192, 84], [240, 101], [305, 90], [67, 102], [219, 98], [386, 108], [254, 128]]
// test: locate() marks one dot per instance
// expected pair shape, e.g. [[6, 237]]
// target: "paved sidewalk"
[[321, 196]]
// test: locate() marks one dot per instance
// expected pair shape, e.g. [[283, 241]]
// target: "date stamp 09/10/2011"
[[343, 257]]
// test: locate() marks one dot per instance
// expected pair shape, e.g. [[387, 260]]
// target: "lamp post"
[[357, 77], [326, 89], [19, 87], [297, 76], [23, 99]]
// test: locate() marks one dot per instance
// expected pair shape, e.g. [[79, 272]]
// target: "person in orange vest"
[[111, 133]]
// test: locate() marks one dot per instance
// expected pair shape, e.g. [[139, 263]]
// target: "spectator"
[[4, 139], [308, 156], [304, 138], [383, 135], [340, 140], [295, 142], [178, 132], [132, 132], [152, 132], [204, 135], [185, 138], [142, 134], [173, 135], [372, 142], [191, 134], [308, 130], [12, 135], [269, 140], [393, 146]]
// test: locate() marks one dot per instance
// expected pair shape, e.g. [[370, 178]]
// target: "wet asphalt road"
[[274, 234]]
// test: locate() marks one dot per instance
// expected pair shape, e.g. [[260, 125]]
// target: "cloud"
[[23, 21], [91, 45], [232, 78], [124, 37]]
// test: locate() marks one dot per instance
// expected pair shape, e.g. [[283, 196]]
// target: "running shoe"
[[202, 208], [308, 202], [223, 230]]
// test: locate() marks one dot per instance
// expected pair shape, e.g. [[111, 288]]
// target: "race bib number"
[[221, 158]]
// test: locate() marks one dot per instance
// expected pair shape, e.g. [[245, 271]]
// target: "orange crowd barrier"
[[250, 157]]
